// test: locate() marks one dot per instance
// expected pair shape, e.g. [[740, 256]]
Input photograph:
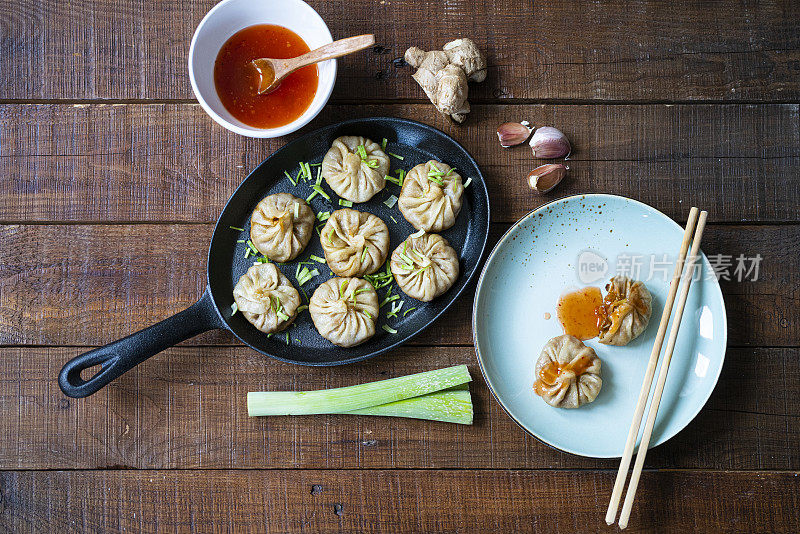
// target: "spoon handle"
[[333, 50]]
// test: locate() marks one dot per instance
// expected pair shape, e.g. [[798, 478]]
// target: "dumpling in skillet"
[[344, 311], [266, 298], [431, 196], [355, 168], [355, 243], [425, 267], [567, 373], [281, 226], [625, 311]]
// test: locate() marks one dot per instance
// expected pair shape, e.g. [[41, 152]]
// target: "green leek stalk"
[[449, 406], [358, 397]]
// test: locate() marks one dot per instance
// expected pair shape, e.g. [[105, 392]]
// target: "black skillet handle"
[[121, 356]]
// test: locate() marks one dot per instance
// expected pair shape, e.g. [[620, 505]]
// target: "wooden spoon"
[[272, 71]]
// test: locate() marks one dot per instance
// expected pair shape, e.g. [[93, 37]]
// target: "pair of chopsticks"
[[627, 454]]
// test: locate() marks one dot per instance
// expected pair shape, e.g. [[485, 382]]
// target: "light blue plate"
[[574, 242]]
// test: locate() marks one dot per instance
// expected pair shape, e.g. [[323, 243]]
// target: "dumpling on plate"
[[355, 168], [344, 311], [281, 226], [625, 311], [355, 243], [425, 266], [431, 196], [567, 373], [266, 298]]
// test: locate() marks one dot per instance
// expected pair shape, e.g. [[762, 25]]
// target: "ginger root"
[[443, 74]]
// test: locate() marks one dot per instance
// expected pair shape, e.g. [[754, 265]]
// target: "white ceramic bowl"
[[230, 16]]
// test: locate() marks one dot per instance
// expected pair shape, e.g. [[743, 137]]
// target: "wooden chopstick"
[[627, 453], [662, 375]]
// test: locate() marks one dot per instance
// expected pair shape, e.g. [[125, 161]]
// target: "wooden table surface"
[[112, 176]]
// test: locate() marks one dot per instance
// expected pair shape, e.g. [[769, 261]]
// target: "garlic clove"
[[513, 133], [545, 177], [548, 143]]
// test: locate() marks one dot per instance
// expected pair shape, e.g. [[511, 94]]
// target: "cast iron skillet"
[[416, 143]]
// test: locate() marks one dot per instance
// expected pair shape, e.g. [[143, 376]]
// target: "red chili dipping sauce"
[[236, 79]]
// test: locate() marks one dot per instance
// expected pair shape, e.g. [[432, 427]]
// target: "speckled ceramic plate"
[[574, 242]]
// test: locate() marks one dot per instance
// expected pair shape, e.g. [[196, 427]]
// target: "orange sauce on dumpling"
[[550, 373], [577, 312]]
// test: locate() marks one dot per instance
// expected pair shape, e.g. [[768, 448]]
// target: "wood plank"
[[391, 501], [172, 163], [185, 409], [622, 50], [91, 284]]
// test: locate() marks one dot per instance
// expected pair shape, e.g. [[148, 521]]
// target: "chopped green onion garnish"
[[307, 170], [311, 196], [306, 275], [420, 233], [393, 219], [323, 216], [247, 252], [345, 203], [435, 180], [368, 314], [383, 144], [317, 259], [240, 240], [289, 176], [287, 338], [234, 308], [409, 311], [299, 173], [401, 175], [296, 210], [390, 202], [391, 179], [388, 299], [315, 164], [362, 151], [469, 181], [319, 190], [395, 156], [252, 247], [236, 228], [364, 254], [388, 328], [302, 308], [330, 236], [372, 163], [319, 176], [396, 307]]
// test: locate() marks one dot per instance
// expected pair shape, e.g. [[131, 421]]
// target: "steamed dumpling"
[[354, 176], [281, 226], [266, 298], [344, 311], [431, 196], [626, 310], [567, 373], [425, 267], [355, 243]]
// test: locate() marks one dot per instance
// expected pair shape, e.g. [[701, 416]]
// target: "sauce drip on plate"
[[548, 380], [236, 79], [577, 312]]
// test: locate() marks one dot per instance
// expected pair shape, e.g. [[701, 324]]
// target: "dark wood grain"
[[391, 501], [97, 163], [185, 409], [644, 50], [91, 284]]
